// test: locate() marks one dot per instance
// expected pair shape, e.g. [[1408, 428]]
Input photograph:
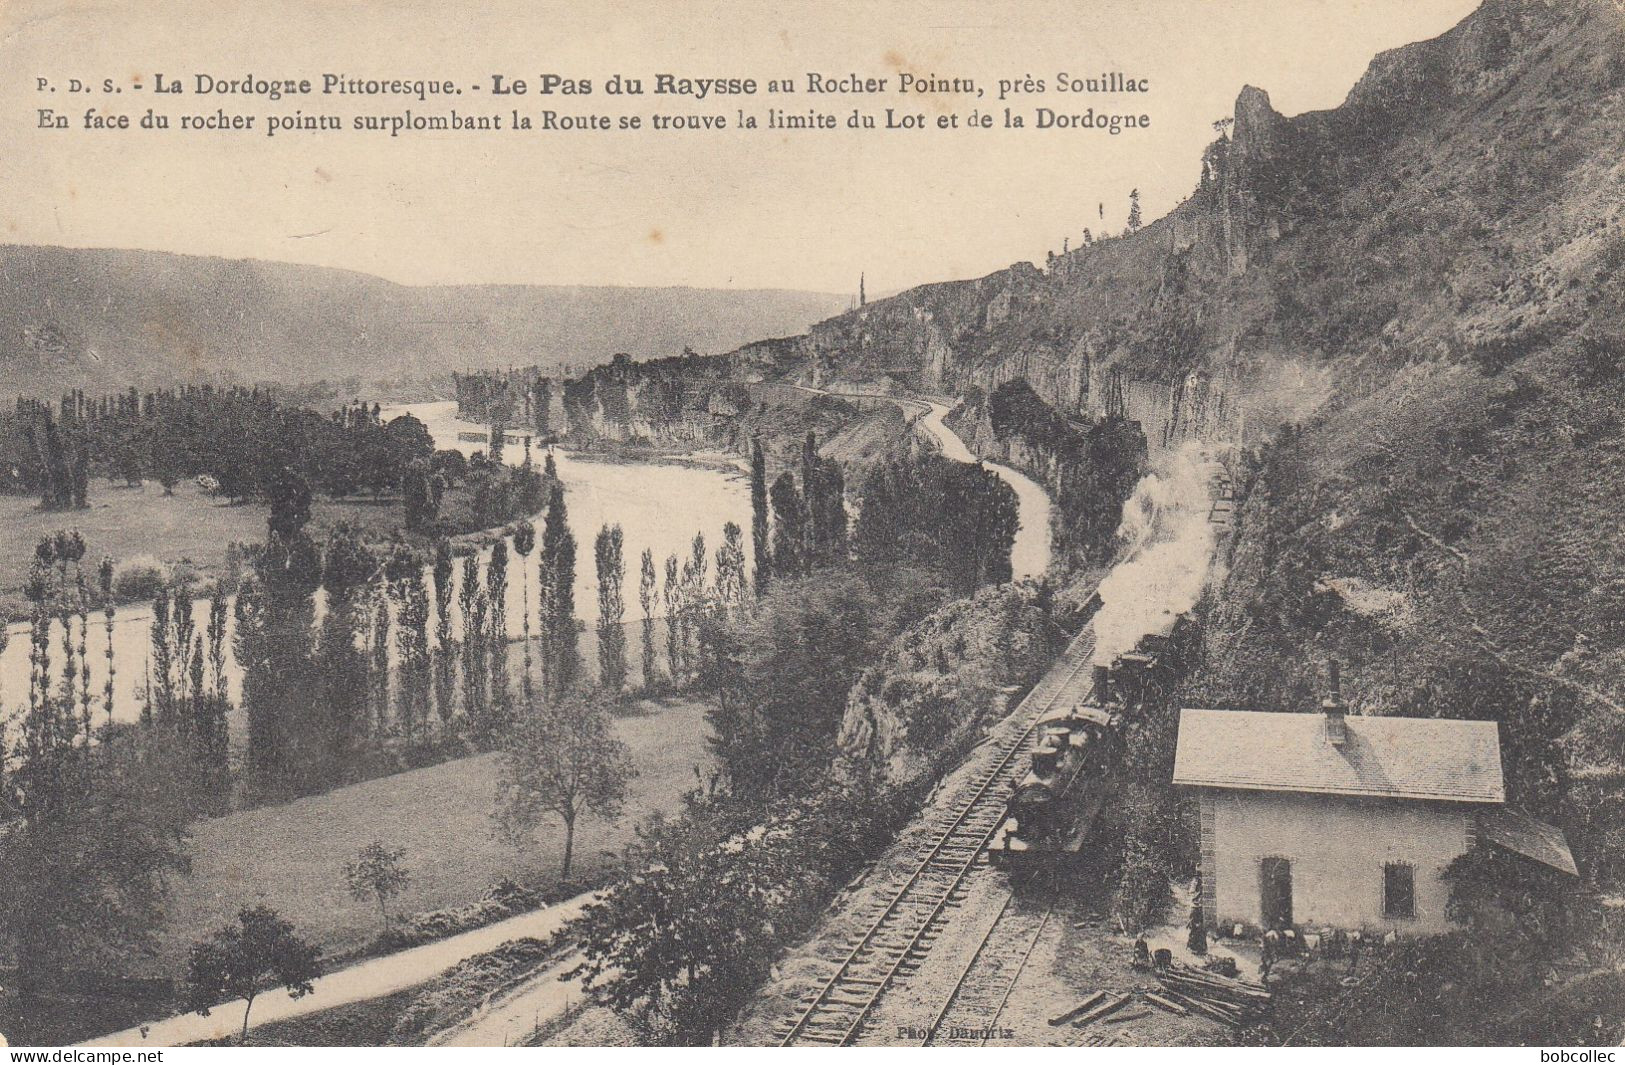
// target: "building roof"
[[1389, 757], [1519, 833]]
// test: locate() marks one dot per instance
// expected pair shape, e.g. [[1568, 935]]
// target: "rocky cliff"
[[1458, 198], [940, 684]]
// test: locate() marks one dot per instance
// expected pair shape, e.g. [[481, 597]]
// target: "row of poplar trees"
[[808, 524]]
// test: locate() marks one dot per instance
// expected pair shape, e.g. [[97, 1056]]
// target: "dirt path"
[[358, 983], [510, 1019]]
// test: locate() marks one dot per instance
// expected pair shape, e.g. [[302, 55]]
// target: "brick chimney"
[[1335, 710]]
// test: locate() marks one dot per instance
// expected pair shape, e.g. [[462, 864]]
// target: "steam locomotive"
[[1073, 768]]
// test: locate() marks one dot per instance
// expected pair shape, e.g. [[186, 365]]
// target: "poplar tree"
[[48, 724], [472, 600], [609, 555], [404, 572], [382, 646], [496, 590], [824, 503], [524, 542], [5, 639], [81, 600], [759, 529], [731, 566], [181, 616], [567, 653], [216, 631], [559, 576], [812, 537], [105, 576], [208, 733], [275, 620], [646, 599], [789, 528], [68, 549], [673, 594], [339, 715], [445, 662], [693, 597], [160, 682]]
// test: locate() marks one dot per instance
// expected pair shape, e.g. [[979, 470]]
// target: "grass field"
[[130, 522], [291, 857]]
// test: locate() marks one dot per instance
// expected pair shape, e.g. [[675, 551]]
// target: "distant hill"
[[98, 318]]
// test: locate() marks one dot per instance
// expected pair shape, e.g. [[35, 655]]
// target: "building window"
[[1398, 890]]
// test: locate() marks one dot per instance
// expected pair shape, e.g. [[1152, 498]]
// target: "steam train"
[[1048, 815], [1075, 767]]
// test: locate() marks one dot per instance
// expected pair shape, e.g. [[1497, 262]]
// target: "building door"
[[1275, 892]]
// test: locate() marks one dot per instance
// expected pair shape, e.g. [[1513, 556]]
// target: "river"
[[659, 504]]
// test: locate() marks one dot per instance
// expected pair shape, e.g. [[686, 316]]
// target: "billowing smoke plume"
[[1168, 549]]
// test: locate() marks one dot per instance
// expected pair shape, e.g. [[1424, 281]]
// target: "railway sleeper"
[[839, 1029], [858, 1003], [830, 1039]]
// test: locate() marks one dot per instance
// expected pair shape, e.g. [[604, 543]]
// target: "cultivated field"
[[130, 522], [291, 857]]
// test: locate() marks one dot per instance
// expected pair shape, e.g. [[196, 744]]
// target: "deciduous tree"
[[646, 599], [244, 960], [789, 528], [524, 542], [377, 874], [563, 761]]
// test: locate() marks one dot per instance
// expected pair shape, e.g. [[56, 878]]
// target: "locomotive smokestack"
[[1335, 710], [1102, 695]]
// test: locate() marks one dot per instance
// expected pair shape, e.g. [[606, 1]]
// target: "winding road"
[[1030, 555]]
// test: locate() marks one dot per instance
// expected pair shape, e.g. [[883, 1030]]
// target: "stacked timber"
[[1224, 999]]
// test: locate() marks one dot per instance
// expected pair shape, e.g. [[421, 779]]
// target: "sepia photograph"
[[924, 523]]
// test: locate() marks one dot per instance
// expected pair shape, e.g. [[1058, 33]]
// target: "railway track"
[[973, 1008], [900, 928]]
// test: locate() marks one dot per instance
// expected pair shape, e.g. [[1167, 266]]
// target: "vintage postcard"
[[923, 523]]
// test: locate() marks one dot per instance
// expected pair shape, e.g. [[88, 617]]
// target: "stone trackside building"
[[1329, 821]]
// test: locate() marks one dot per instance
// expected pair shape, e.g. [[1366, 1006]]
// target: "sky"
[[731, 208]]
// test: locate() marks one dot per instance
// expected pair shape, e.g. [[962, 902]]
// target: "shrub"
[[139, 578], [458, 991], [504, 900]]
